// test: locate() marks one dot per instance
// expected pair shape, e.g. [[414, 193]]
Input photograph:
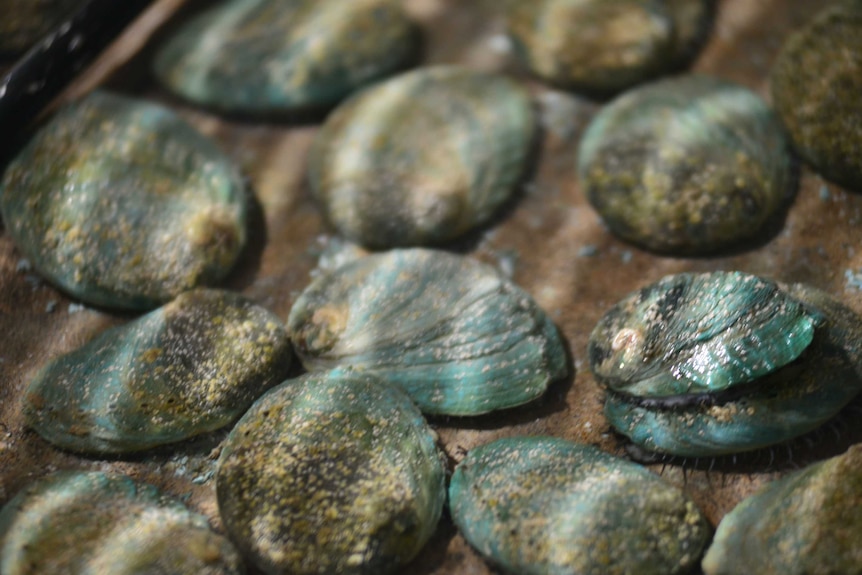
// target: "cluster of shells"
[[335, 467]]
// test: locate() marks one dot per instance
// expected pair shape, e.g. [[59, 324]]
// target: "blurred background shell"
[[547, 506], [266, 57], [91, 523], [687, 166], [422, 158], [456, 335], [333, 472]]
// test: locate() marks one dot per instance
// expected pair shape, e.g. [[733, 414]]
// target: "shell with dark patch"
[[265, 57], [184, 369], [547, 506], [718, 363], [460, 338], [96, 523], [333, 472], [690, 165], [422, 158], [122, 204]]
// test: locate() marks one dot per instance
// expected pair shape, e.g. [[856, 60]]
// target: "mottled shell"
[[91, 523], [690, 165], [122, 204], [816, 87], [25, 22], [332, 472], [604, 46], [264, 56], [808, 523], [423, 157], [774, 395], [547, 506], [184, 369], [460, 338]]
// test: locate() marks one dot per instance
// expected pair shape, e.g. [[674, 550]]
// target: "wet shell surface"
[[547, 506], [724, 362], [184, 369], [422, 158], [689, 165], [604, 46], [333, 472], [265, 56], [808, 523], [25, 22], [460, 338], [122, 204], [92, 523], [816, 85]]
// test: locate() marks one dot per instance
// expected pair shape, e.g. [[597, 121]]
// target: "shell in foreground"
[[422, 158], [332, 472], [808, 523], [92, 523], [547, 506], [689, 165], [720, 363], [460, 338], [122, 204], [184, 369], [816, 82], [604, 46], [265, 57]]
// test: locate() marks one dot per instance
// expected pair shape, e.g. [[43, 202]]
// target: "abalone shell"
[[422, 158], [688, 165], [547, 506], [459, 337], [333, 472], [93, 523], [189, 367], [122, 204], [266, 56], [816, 82]]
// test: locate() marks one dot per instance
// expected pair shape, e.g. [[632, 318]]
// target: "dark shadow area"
[[248, 261]]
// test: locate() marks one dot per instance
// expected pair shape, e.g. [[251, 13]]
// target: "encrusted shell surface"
[[460, 338], [547, 506], [92, 523], [816, 85], [121, 203], [264, 56], [423, 157], [333, 472], [604, 46], [184, 369], [24, 22], [808, 523], [710, 364], [688, 165]]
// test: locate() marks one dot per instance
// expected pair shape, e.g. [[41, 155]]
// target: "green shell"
[[816, 82], [187, 368], [808, 523], [604, 46], [25, 22], [91, 523], [422, 158], [689, 165], [332, 472], [265, 56], [122, 204], [547, 506], [460, 338], [730, 363]]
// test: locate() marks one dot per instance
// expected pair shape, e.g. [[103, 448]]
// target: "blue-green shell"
[[93, 523], [455, 334], [189, 367], [547, 506], [332, 472]]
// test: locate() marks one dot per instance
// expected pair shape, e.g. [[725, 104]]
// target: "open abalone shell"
[[724, 362], [460, 338]]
